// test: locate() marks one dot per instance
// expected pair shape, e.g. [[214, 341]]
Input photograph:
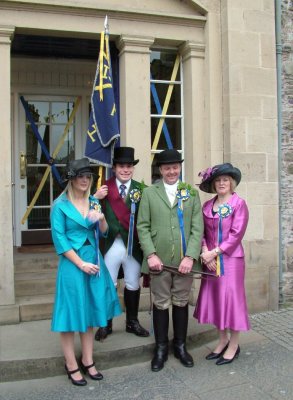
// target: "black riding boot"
[[161, 326], [131, 301], [180, 322]]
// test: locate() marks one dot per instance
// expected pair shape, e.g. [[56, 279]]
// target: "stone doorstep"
[[39, 307], [38, 368]]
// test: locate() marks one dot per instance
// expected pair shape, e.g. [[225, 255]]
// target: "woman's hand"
[[102, 192], [208, 256], [95, 216], [89, 268], [212, 266]]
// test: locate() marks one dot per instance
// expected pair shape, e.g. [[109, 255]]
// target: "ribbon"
[[135, 196], [131, 229], [181, 226], [95, 205], [224, 211]]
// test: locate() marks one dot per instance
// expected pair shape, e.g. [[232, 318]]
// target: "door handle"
[[22, 163]]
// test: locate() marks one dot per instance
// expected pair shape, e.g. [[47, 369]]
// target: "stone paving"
[[262, 372], [275, 325]]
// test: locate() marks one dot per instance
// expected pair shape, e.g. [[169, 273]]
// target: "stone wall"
[[287, 150]]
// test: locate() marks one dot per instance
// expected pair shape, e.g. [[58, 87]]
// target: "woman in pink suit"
[[221, 299]]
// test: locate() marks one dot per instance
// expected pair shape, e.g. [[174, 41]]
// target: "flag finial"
[[106, 25]]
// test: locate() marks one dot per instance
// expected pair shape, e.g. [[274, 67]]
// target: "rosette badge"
[[94, 205], [224, 211], [135, 195], [183, 194]]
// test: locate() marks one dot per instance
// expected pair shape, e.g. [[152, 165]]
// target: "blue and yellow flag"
[[103, 130]]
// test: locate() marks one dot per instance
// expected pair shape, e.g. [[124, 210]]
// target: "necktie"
[[122, 191]]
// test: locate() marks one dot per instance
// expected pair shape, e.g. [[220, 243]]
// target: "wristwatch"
[[217, 251]]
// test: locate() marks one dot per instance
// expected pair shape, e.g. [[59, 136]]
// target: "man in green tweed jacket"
[[164, 243]]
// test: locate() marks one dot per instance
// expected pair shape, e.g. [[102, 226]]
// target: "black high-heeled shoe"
[[214, 356], [80, 382], [85, 369], [223, 361]]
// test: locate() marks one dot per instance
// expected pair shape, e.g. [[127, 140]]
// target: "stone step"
[[34, 283], [24, 262], [35, 308], [30, 350]]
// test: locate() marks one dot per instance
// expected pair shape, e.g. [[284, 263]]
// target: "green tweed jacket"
[[158, 226]]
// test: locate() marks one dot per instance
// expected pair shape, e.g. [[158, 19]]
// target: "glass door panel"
[[50, 118]]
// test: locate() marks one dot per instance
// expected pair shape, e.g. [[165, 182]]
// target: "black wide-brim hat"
[[124, 155], [210, 174], [78, 167], [169, 156]]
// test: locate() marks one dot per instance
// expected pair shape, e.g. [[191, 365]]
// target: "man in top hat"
[[121, 245], [170, 230]]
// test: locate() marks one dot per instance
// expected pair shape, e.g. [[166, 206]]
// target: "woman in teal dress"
[[85, 295]]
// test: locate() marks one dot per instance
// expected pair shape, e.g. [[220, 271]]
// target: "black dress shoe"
[[160, 357], [181, 353], [102, 333], [85, 369], [133, 326], [80, 382], [214, 356], [223, 361]]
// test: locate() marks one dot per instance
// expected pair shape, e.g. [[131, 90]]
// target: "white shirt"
[[127, 184], [171, 191]]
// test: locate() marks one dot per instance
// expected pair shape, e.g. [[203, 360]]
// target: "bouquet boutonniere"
[[184, 191]]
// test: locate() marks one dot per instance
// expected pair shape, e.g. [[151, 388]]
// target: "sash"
[[117, 204]]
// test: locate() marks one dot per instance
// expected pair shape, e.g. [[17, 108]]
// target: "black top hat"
[[124, 155], [170, 156], [210, 174], [78, 167]]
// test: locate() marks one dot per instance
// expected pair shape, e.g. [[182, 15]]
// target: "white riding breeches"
[[117, 256]]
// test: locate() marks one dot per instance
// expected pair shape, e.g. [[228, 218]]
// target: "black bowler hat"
[[78, 167], [170, 156], [124, 155], [209, 174]]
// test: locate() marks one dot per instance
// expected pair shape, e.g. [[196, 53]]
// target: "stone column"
[[250, 136], [135, 125], [193, 90], [6, 227]]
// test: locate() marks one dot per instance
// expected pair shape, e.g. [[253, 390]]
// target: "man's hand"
[[154, 262], [186, 265], [102, 192]]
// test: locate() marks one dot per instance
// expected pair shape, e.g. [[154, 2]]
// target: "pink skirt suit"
[[222, 300]]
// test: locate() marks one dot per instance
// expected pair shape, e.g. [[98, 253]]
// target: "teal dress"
[[81, 300]]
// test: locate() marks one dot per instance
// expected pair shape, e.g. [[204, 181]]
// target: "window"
[[166, 104]]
